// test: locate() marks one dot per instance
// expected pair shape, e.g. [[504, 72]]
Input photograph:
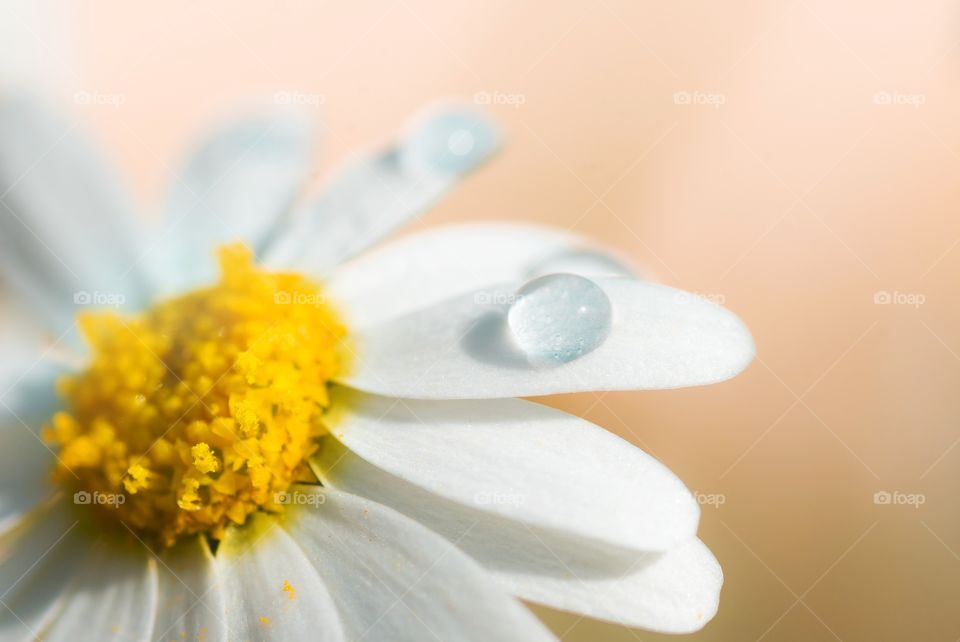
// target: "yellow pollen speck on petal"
[[289, 590], [201, 409], [264, 620]]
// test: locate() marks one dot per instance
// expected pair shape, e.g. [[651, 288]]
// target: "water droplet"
[[451, 142], [559, 318], [460, 142]]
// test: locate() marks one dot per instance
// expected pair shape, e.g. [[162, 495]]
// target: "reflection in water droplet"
[[559, 318], [450, 143], [460, 142]]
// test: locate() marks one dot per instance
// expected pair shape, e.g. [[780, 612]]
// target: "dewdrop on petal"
[[558, 318]]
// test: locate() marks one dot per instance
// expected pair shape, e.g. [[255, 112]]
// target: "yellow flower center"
[[203, 409]]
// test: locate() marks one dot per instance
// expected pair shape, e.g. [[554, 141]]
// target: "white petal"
[[257, 563], [375, 194], [238, 185], [22, 339], [425, 268], [522, 461], [396, 580], [462, 348], [28, 380], [39, 558], [27, 401], [586, 261], [191, 604], [66, 236], [114, 596], [25, 467], [672, 592]]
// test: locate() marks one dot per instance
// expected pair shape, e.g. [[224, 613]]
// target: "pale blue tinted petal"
[[39, 559], [67, 235], [27, 400], [238, 185], [191, 603], [113, 596], [377, 193]]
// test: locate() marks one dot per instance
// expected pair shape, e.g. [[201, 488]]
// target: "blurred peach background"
[[797, 161]]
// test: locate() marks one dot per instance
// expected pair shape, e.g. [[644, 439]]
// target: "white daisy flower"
[[312, 445]]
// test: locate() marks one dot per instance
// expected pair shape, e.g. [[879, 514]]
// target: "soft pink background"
[[795, 201]]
